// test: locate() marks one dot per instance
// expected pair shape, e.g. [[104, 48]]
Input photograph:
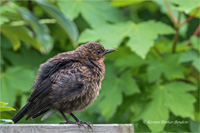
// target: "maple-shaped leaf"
[[141, 36], [178, 100], [190, 56], [172, 97], [94, 12], [112, 91], [131, 60], [185, 5], [168, 66]]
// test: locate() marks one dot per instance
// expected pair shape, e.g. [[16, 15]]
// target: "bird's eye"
[[99, 51]]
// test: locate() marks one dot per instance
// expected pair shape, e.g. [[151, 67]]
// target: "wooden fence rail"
[[67, 128]]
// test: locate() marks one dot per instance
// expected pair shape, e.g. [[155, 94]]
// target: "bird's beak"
[[109, 51]]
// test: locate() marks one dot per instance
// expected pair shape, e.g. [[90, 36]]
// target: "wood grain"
[[67, 128]]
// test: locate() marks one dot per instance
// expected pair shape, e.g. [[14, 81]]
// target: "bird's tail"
[[22, 112]]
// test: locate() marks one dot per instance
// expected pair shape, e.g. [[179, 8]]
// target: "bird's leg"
[[81, 123], [78, 122], [67, 120]]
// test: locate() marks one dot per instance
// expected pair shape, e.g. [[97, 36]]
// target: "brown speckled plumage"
[[69, 82]]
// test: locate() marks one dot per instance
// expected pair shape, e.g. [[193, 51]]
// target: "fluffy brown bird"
[[69, 82]]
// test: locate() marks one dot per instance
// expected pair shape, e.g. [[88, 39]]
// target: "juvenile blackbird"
[[69, 82]]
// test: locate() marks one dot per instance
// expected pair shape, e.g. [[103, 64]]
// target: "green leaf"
[[17, 33], [3, 104], [94, 12], [185, 5], [162, 6], [111, 98], [129, 61], [20, 78], [41, 30], [139, 103], [195, 42], [23, 56], [190, 56], [125, 3], [177, 124], [68, 25], [140, 127], [195, 12], [178, 100], [5, 8], [15, 80], [154, 70], [3, 20], [181, 47], [6, 121], [6, 90], [194, 126], [155, 112], [6, 109], [3, 108], [104, 33], [42, 40], [128, 84], [141, 36], [172, 97], [168, 66]]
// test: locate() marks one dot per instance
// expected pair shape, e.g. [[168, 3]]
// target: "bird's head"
[[93, 51]]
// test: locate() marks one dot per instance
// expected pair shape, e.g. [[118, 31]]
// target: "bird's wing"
[[43, 83], [67, 85], [39, 108], [42, 86]]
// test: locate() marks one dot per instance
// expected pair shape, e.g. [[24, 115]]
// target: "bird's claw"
[[80, 124]]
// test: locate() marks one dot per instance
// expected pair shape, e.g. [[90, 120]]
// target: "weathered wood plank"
[[67, 128]]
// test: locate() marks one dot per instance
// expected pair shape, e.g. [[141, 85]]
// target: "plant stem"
[[177, 33], [190, 18], [196, 31], [170, 12], [194, 34], [157, 51], [175, 40]]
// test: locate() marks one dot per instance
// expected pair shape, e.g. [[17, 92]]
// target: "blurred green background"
[[151, 81]]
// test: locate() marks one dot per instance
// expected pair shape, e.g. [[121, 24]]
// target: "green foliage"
[[151, 81], [40, 30], [68, 26], [191, 56], [168, 66], [125, 3], [3, 108], [112, 98], [169, 97], [42, 41], [185, 6], [141, 35], [92, 11], [16, 80]]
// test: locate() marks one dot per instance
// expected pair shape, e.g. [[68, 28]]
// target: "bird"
[[66, 83]]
